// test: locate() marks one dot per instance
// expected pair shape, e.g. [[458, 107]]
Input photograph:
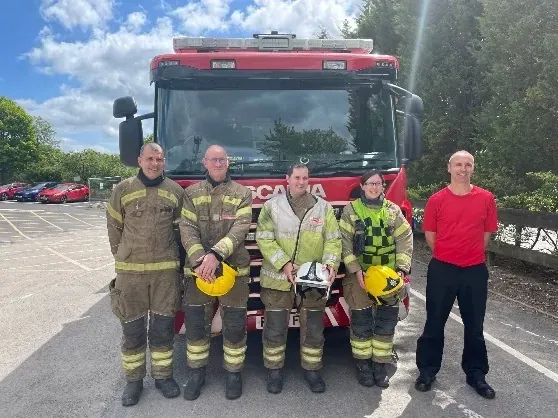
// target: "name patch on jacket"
[[316, 221]]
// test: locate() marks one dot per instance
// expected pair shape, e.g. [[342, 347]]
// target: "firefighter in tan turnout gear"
[[386, 239], [293, 229], [145, 294], [216, 218]]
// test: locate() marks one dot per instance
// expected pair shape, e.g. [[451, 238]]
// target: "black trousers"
[[445, 282]]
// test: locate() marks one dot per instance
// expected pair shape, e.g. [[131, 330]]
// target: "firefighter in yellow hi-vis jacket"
[[294, 229], [374, 233], [141, 215], [216, 218]]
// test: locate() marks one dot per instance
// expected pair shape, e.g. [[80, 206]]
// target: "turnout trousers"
[[198, 309], [372, 327], [278, 305], [146, 305]]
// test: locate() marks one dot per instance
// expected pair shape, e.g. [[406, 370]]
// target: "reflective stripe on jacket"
[[397, 225], [282, 237], [140, 223], [216, 218]]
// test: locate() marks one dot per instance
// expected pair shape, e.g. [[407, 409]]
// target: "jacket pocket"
[[115, 304], [123, 252]]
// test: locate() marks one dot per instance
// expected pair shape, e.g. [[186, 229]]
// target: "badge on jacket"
[[316, 221]]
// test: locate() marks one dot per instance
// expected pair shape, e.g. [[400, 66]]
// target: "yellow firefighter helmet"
[[224, 282], [383, 284]]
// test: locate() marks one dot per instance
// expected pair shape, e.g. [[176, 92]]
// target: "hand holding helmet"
[[384, 285], [314, 275], [221, 284]]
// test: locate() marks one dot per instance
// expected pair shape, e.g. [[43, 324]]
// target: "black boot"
[[132, 393], [233, 385], [314, 379], [364, 373], [275, 381], [168, 387], [192, 388], [380, 374]]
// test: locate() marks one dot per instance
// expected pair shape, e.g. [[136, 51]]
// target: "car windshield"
[[35, 186], [60, 187], [265, 131]]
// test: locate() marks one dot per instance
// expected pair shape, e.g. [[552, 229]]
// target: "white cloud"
[[302, 17], [136, 20], [198, 17], [77, 13], [110, 64]]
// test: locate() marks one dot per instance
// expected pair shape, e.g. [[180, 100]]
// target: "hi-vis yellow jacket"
[[283, 237], [140, 223]]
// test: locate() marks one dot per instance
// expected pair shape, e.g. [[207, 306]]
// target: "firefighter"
[[374, 232], [145, 294], [295, 228], [216, 218]]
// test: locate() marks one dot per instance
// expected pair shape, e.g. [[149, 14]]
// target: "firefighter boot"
[[275, 381], [168, 387], [132, 393], [192, 388], [233, 385], [380, 374], [315, 381], [364, 373]]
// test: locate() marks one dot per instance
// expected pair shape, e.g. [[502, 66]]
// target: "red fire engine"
[[273, 100]]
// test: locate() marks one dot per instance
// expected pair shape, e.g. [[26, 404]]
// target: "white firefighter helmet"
[[312, 275]]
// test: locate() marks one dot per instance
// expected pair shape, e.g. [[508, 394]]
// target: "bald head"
[[461, 166], [215, 149], [216, 162], [461, 153]]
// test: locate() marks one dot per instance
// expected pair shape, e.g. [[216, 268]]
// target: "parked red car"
[[7, 190], [65, 192]]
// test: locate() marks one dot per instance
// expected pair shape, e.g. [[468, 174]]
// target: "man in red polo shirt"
[[458, 221]]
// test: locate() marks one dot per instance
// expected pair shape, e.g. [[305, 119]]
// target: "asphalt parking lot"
[[22, 221], [59, 355]]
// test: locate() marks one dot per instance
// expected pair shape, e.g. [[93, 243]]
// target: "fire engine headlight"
[[334, 65], [223, 64]]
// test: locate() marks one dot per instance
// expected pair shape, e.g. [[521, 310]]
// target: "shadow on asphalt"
[[77, 373]]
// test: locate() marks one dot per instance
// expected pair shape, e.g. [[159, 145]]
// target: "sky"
[[67, 60]]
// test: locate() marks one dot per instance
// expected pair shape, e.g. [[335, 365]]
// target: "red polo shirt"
[[460, 223]]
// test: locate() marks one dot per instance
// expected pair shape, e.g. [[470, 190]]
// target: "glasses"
[[375, 184], [216, 160]]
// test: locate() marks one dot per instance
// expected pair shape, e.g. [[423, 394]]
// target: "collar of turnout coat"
[[148, 182], [217, 183]]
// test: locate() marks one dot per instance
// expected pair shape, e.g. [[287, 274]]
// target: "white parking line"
[[14, 227], [43, 219], [68, 259], [86, 223], [521, 357]]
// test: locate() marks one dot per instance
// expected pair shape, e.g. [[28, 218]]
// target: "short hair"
[[371, 173], [153, 145], [461, 152], [294, 166]]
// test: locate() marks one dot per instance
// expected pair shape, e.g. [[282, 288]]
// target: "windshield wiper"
[[333, 163]]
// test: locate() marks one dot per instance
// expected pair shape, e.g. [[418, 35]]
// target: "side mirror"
[[130, 136], [412, 137], [415, 106], [124, 107]]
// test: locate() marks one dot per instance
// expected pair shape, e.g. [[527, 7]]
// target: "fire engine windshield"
[[264, 131]]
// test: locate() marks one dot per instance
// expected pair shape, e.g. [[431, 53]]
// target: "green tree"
[[517, 124], [18, 140], [284, 142], [447, 77]]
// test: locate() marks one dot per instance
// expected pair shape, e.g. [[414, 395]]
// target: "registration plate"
[[293, 321]]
